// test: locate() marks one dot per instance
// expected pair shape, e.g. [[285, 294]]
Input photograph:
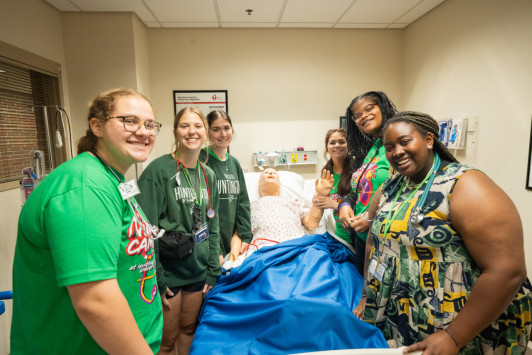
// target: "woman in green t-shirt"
[[366, 114], [339, 163]]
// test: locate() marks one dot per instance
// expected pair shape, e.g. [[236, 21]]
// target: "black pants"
[[360, 251]]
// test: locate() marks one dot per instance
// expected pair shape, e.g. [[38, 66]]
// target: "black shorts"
[[194, 287]]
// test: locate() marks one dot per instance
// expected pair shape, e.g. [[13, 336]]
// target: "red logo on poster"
[[214, 97]]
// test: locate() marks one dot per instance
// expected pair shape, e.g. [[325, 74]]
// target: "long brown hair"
[[344, 185]]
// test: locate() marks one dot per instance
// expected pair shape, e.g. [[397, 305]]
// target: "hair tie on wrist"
[[343, 204], [450, 336]]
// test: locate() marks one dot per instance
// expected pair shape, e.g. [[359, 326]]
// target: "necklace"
[[223, 162]]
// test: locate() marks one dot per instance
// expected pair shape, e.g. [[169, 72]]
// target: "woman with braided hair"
[[367, 113], [446, 267]]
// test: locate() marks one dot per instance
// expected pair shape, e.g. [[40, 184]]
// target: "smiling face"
[[408, 150], [190, 133], [367, 116], [220, 133], [337, 146], [118, 147]]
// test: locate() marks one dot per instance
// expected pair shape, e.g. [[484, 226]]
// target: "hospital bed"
[[292, 297]]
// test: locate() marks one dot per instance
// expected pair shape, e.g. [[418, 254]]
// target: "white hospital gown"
[[274, 219]]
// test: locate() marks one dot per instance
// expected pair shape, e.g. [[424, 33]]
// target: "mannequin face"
[[269, 183]]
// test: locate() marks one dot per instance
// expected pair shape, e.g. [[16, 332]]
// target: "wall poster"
[[206, 100]]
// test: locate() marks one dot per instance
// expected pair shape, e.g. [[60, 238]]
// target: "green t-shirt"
[[234, 200], [76, 228], [377, 171], [340, 232], [170, 206]]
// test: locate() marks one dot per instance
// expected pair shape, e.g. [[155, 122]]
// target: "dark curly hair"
[[358, 143]]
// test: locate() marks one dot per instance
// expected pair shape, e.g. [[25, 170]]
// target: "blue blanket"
[[293, 297]]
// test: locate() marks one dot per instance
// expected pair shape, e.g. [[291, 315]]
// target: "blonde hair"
[[182, 112]]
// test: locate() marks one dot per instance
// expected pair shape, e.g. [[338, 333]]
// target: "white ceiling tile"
[[306, 25], [63, 5], [317, 11], [360, 25], [263, 11], [189, 24], [201, 11], [249, 25], [418, 11], [135, 6], [377, 11], [270, 13]]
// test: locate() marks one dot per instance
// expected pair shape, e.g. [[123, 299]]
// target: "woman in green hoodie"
[[235, 220]]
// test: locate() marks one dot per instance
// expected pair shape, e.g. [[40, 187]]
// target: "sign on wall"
[[206, 100]]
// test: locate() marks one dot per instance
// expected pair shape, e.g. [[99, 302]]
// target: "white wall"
[[286, 86], [474, 58]]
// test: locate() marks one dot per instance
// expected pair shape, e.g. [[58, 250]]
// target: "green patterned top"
[[429, 273]]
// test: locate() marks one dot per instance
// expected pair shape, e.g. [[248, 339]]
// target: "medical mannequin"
[[275, 218]]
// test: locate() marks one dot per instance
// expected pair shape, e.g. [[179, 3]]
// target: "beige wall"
[[35, 27], [286, 86], [474, 58]]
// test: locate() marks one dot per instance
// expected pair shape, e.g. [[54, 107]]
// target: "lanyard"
[[154, 231], [210, 211], [430, 177]]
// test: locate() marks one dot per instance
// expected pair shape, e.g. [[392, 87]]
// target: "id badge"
[[128, 189], [377, 269], [202, 234]]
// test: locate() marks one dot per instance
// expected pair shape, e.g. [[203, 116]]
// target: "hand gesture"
[[325, 183]]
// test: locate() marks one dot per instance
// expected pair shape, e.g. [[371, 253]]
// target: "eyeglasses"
[[366, 109], [133, 123]]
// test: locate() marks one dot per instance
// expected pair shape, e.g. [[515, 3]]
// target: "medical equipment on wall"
[[285, 158], [62, 126], [36, 171], [33, 174]]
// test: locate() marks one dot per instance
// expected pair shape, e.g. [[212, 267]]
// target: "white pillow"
[[292, 186]]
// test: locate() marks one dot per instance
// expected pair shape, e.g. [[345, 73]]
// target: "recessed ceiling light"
[[2, 71]]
